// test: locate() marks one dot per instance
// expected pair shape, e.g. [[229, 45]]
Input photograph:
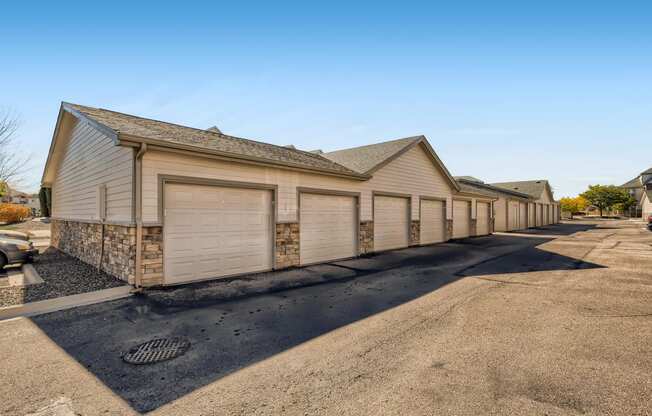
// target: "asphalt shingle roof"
[[471, 188], [634, 183], [533, 188], [364, 159], [469, 178], [211, 140], [477, 186]]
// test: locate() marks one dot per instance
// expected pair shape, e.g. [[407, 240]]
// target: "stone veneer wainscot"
[[83, 240], [366, 237], [415, 233], [287, 245]]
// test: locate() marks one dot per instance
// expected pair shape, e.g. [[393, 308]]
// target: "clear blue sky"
[[503, 90]]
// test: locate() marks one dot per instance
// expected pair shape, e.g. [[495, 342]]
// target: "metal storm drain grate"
[[157, 350]]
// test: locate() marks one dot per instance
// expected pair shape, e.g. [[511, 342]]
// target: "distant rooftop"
[[469, 178]]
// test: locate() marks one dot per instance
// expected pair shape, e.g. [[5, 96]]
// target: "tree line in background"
[[12, 163], [603, 197]]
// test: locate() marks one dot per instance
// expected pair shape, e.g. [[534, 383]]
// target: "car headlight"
[[24, 247]]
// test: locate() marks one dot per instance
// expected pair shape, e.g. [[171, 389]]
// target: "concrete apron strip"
[[65, 302]]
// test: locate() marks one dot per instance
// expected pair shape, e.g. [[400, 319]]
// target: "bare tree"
[[12, 164]]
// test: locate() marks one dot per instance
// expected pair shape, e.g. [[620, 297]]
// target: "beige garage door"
[[500, 215], [532, 215], [482, 215], [522, 215], [212, 231], [539, 215], [546, 214], [327, 228], [391, 222], [512, 216], [433, 228], [461, 219]]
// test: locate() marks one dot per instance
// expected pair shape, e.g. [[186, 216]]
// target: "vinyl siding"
[[91, 159], [545, 198], [411, 173]]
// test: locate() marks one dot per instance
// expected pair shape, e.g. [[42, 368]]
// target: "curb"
[[31, 275], [65, 302]]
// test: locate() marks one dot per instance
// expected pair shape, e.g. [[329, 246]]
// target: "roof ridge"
[[529, 180], [228, 136], [490, 186], [417, 137]]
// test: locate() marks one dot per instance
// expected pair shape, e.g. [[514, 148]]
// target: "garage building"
[[509, 207], [540, 192], [155, 203]]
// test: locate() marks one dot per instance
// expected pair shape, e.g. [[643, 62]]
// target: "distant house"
[[640, 188], [13, 196]]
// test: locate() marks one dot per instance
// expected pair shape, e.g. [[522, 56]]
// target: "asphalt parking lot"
[[552, 321]]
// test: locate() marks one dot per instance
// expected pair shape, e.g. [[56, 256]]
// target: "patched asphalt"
[[560, 324]]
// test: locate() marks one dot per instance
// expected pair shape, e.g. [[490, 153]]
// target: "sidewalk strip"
[[64, 302]]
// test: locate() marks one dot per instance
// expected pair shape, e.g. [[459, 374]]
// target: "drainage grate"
[[157, 350]]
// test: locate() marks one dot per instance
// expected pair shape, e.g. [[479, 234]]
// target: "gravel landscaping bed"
[[63, 275]]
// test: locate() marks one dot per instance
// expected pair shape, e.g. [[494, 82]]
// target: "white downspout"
[[139, 214]]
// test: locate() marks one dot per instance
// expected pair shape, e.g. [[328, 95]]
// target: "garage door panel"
[[181, 198], [216, 231], [539, 215], [513, 218], [328, 229], [433, 226], [461, 219], [179, 247], [531, 215], [391, 222]]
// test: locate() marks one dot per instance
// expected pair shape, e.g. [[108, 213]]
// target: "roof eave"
[[476, 195], [441, 165], [68, 108], [548, 188], [498, 189], [114, 135], [128, 140], [45, 183]]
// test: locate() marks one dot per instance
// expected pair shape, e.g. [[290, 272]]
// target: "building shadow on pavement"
[[530, 259], [559, 230], [228, 336]]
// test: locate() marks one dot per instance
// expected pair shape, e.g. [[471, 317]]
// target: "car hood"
[[14, 235], [14, 241]]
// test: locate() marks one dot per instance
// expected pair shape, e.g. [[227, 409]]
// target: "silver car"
[[14, 251]]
